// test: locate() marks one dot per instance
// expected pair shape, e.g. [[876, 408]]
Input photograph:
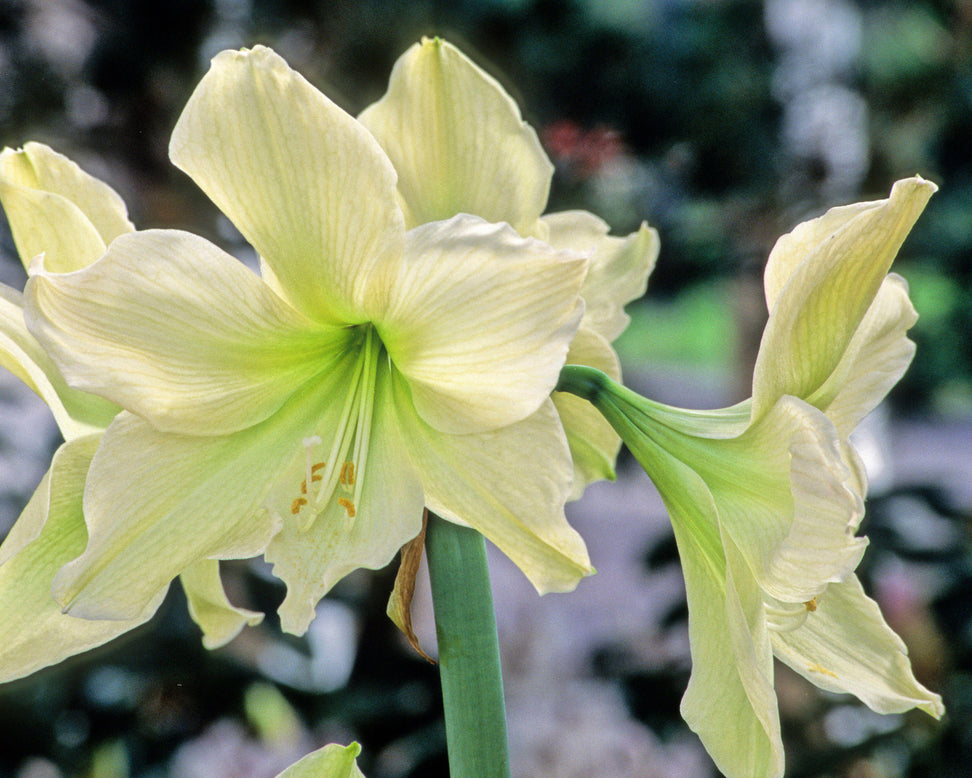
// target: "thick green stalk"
[[469, 664]]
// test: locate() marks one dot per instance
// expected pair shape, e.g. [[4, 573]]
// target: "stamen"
[[811, 605], [347, 475], [309, 444], [297, 504], [345, 456], [314, 476]]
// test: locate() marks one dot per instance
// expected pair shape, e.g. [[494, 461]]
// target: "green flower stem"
[[585, 382], [469, 664]]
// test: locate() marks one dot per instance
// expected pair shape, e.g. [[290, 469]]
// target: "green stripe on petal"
[[846, 646], [833, 282], [458, 141], [509, 484], [479, 320], [49, 533], [209, 607], [173, 329], [305, 183]]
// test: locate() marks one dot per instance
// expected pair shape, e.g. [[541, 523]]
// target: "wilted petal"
[[220, 620], [509, 484], [827, 294], [618, 271], [305, 183], [331, 761], [479, 320], [846, 646], [57, 209], [49, 533], [458, 141], [178, 332]]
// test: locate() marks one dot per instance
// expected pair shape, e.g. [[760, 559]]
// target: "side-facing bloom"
[[765, 497], [310, 414], [57, 210], [459, 145]]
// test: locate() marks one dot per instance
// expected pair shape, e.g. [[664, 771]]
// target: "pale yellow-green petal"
[[331, 761], [784, 496], [305, 183], [594, 444], [56, 209], [742, 738], [480, 320], [827, 295], [619, 267], [509, 484], [792, 249], [173, 329], [209, 607], [76, 413], [387, 515], [846, 646], [155, 502], [49, 533], [458, 141], [876, 358]]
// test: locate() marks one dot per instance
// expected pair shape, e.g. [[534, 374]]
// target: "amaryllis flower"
[[765, 497], [459, 145], [57, 210], [310, 414]]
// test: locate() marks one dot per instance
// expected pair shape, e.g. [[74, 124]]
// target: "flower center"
[[339, 472]]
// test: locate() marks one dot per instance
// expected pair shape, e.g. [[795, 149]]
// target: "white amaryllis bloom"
[[765, 497], [459, 145], [310, 414], [56, 209]]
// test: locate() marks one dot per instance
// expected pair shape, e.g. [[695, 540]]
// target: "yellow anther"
[[297, 504], [314, 476], [347, 474], [811, 605], [347, 505]]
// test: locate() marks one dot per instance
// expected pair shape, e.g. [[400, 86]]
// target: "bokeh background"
[[722, 123]]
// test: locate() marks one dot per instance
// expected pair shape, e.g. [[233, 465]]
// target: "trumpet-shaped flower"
[[57, 210], [312, 412], [765, 497], [459, 145]]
